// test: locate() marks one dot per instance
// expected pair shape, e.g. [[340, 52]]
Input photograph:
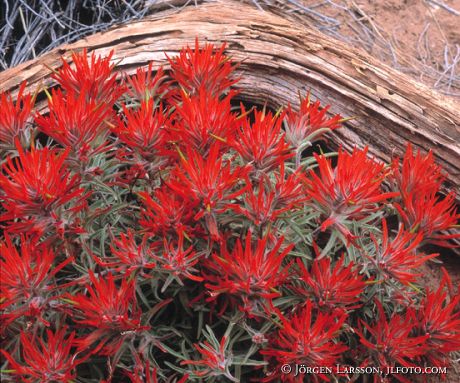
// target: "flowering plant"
[[156, 231]]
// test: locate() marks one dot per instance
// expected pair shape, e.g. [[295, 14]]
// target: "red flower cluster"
[[128, 255], [46, 361], [210, 181], [349, 192], [252, 276], [143, 130], [392, 342], [111, 312], [203, 119], [397, 259], [75, 122], [144, 86], [94, 78], [333, 288], [39, 193], [261, 143], [306, 339], [28, 284], [215, 359], [421, 209], [205, 68], [309, 123], [15, 117], [438, 318], [270, 200], [154, 231]]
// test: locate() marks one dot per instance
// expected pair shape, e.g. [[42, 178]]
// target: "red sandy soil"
[[425, 37]]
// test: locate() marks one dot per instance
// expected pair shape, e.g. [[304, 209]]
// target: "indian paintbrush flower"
[[49, 360]]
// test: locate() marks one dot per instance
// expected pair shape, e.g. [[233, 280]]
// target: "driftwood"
[[280, 57]]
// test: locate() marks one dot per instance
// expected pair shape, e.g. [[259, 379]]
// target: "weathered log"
[[280, 57]]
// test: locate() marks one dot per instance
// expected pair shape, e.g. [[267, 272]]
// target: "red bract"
[[76, 122], [215, 361], [390, 342], [332, 288], [210, 181], [203, 68], [46, 361], [35, 188], [417, 173], [128, 255], [261, 143], [423, 212], [349, 192], [177, 261], [110, 310], [438, 318], [202, 119], [143, 130], [290, 192], [27, 279], [143, 86], [270, 201], [398, 258], [167, 213], [251, 276], [309, 124], [259, 206], [307, 338], [94, 77], [14, 117]]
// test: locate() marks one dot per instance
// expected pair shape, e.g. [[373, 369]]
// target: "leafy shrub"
[[154, 230]]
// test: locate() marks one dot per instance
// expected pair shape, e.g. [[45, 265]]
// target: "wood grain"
[[278, 58]]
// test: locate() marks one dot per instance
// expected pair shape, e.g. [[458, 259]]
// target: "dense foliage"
[[157, 231]]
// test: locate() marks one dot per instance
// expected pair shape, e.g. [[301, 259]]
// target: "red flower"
[[417, 173], [209, 181], [202, 119], [143, 86], [290, 191], [177, 261], [46, 361], [309, 124], [14, 117], [332, 288], [261, 143], [27, 279], [143, 130], [35, 188], [392, 341], [95, 77], [168, 213], [259, 206], [202, 68], [76, 122], [271, 201], [111, 310], [438, 318], [128, 256], [307, 340], [423, 212], [252, 276], [397, 258], [350, 192], [215, 361]]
